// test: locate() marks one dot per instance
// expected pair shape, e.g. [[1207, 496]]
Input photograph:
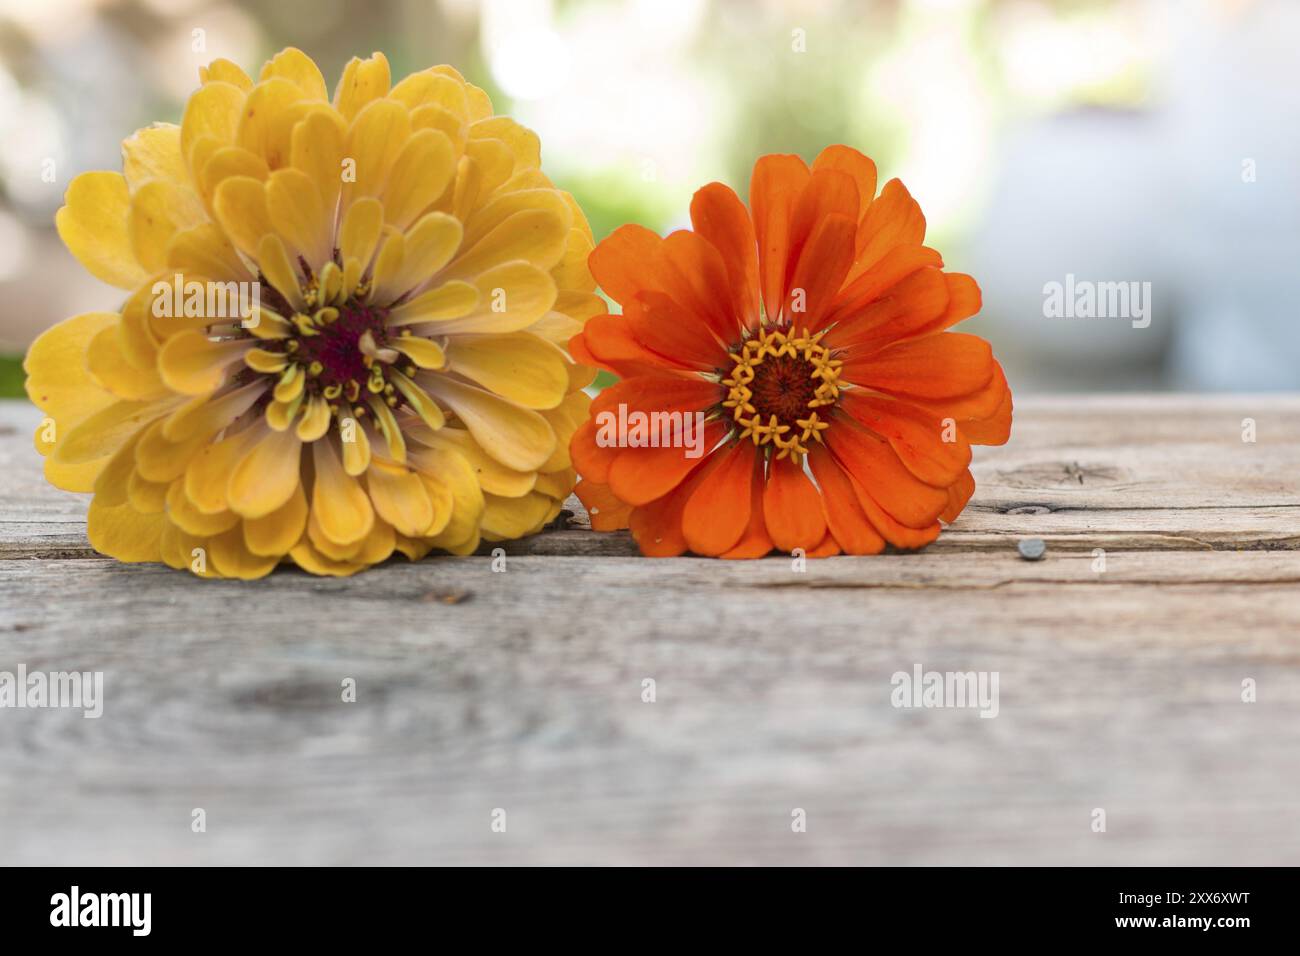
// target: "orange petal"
[[829, 192], [755, 542], [848, 160], [822, 265], [892, 219], [591, 459], [844, 515], [694, 274], [720, 217], [607, 341], [717, 513], [606, 511], [959, 493], [910, 305], [792, 507], [893, 531], [670, 330], [935, 367], [619, 262], [641, 475], [773, 191], [658, 392], [878, 469], [932, 449], [869, 286], [657, 527]]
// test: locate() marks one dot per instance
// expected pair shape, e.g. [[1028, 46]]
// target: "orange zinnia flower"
[[810, 333]]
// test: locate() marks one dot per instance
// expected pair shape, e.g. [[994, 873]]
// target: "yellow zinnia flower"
[[341, 337]]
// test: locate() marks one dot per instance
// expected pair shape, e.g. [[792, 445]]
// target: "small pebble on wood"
[[1032, 549]]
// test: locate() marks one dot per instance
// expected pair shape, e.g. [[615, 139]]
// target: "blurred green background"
[[1103, 138]]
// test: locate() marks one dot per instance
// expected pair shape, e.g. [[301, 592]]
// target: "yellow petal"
[[565, 419], [230, 161], [557, 484], [232, 558], [266, 475], [360, 232], [429, 246], [260, 360], [223, 71], [277, 533], [421, 173], [93, 225], [193, 364], [450, 476], [57, 379], [511, 297], [205, 415], [379, 544], [102, 433], [316, 148], [428, 88], [315, 420], [146, 497], [494, 477], [517, 366], [123, 533], [400, 498], [298, 68], [505, 205], [535, 235], [338, 502], [493, 163], [423, 352], [205, 250], [280, 415], [240, 207], [523, 142], [158, 459], [211, 113], [451, 300], [154, 153], [517, 437], [505, 518], [266, 122], [376, 138], [362, 81], [294, 203], [280, 271], [110, 485], [416, 397], [159, 210], [290, 385], [313, 562], [108, 366], [207, 476], [356, 447], [185, 515]]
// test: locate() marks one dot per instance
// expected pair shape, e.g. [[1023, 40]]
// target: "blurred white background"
[[1114, 140]]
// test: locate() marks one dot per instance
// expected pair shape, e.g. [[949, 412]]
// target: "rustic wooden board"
[[522, 690]]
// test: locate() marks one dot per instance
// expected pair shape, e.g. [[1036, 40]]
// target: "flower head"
[[809, 334], [342, 333]]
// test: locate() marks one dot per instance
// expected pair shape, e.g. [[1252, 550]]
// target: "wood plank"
[[1119, 689], [1149, 473], [521, 690]]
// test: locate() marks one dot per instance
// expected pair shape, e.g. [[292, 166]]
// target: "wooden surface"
[[521, 690]]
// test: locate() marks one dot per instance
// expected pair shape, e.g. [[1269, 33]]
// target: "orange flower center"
[[779, 388]]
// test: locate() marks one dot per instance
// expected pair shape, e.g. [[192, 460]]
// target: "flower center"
[[779, 383]]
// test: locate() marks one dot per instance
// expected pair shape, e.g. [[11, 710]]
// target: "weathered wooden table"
[[1120, 689]]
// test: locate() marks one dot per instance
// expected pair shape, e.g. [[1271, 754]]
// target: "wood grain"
[[1119, 689]]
